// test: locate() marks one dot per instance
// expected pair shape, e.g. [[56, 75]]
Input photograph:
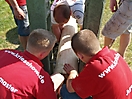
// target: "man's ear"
[[42, 55], [80, 56]]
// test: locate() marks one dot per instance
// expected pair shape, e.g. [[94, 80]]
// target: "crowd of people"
[[105, 75]]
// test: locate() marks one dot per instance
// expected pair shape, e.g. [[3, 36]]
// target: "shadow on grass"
[[12, 37]]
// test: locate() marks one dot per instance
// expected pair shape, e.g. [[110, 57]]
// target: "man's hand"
[[113, 5], [19, 13], [72, 75], [68, 68]]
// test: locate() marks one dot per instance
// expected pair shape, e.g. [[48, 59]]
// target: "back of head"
[[62, 12], [40, 40], [85, 42]]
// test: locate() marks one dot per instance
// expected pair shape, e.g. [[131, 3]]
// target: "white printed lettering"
[[7, 85], [28, 64], [129, 90], [102, 75], [111, 67]]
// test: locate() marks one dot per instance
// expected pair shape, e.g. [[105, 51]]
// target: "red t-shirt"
[[22, 77], [20, 2], [105, 76]]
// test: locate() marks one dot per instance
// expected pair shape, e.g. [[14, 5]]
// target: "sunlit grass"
[[7, 25]]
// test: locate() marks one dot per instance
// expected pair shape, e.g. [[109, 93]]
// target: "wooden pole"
[[39, 18], [93, 15], [92, 18]]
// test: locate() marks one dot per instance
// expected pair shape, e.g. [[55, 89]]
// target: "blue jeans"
[[66, 95]]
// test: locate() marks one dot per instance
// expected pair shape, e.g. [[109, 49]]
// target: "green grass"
[[9, 38], [8, 30]]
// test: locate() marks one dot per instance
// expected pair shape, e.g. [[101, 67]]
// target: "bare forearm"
[[73, 74], [18, 12], [57, 32], [14, 4]]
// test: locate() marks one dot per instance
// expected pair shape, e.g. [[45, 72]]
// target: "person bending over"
[[61, 10], [106, 75], [21, 73]]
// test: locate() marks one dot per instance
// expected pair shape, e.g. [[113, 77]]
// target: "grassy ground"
[[8, 30], [9, 38]]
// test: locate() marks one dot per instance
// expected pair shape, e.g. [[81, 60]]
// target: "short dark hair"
[[86, 42], [64, 10], [41, 40]]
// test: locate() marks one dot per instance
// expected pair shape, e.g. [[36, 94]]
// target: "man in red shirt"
[[106, 75], [21, 73], [19, 10]]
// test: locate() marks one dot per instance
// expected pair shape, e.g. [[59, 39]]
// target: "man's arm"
[[72, 75], [57, 29], [113, 5], [18, 12]]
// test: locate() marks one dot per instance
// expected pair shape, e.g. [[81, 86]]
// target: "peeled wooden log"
[[65, 52]]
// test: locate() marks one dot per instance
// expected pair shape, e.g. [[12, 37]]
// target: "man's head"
[[85, 44], [40, 43], [62, 13]]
